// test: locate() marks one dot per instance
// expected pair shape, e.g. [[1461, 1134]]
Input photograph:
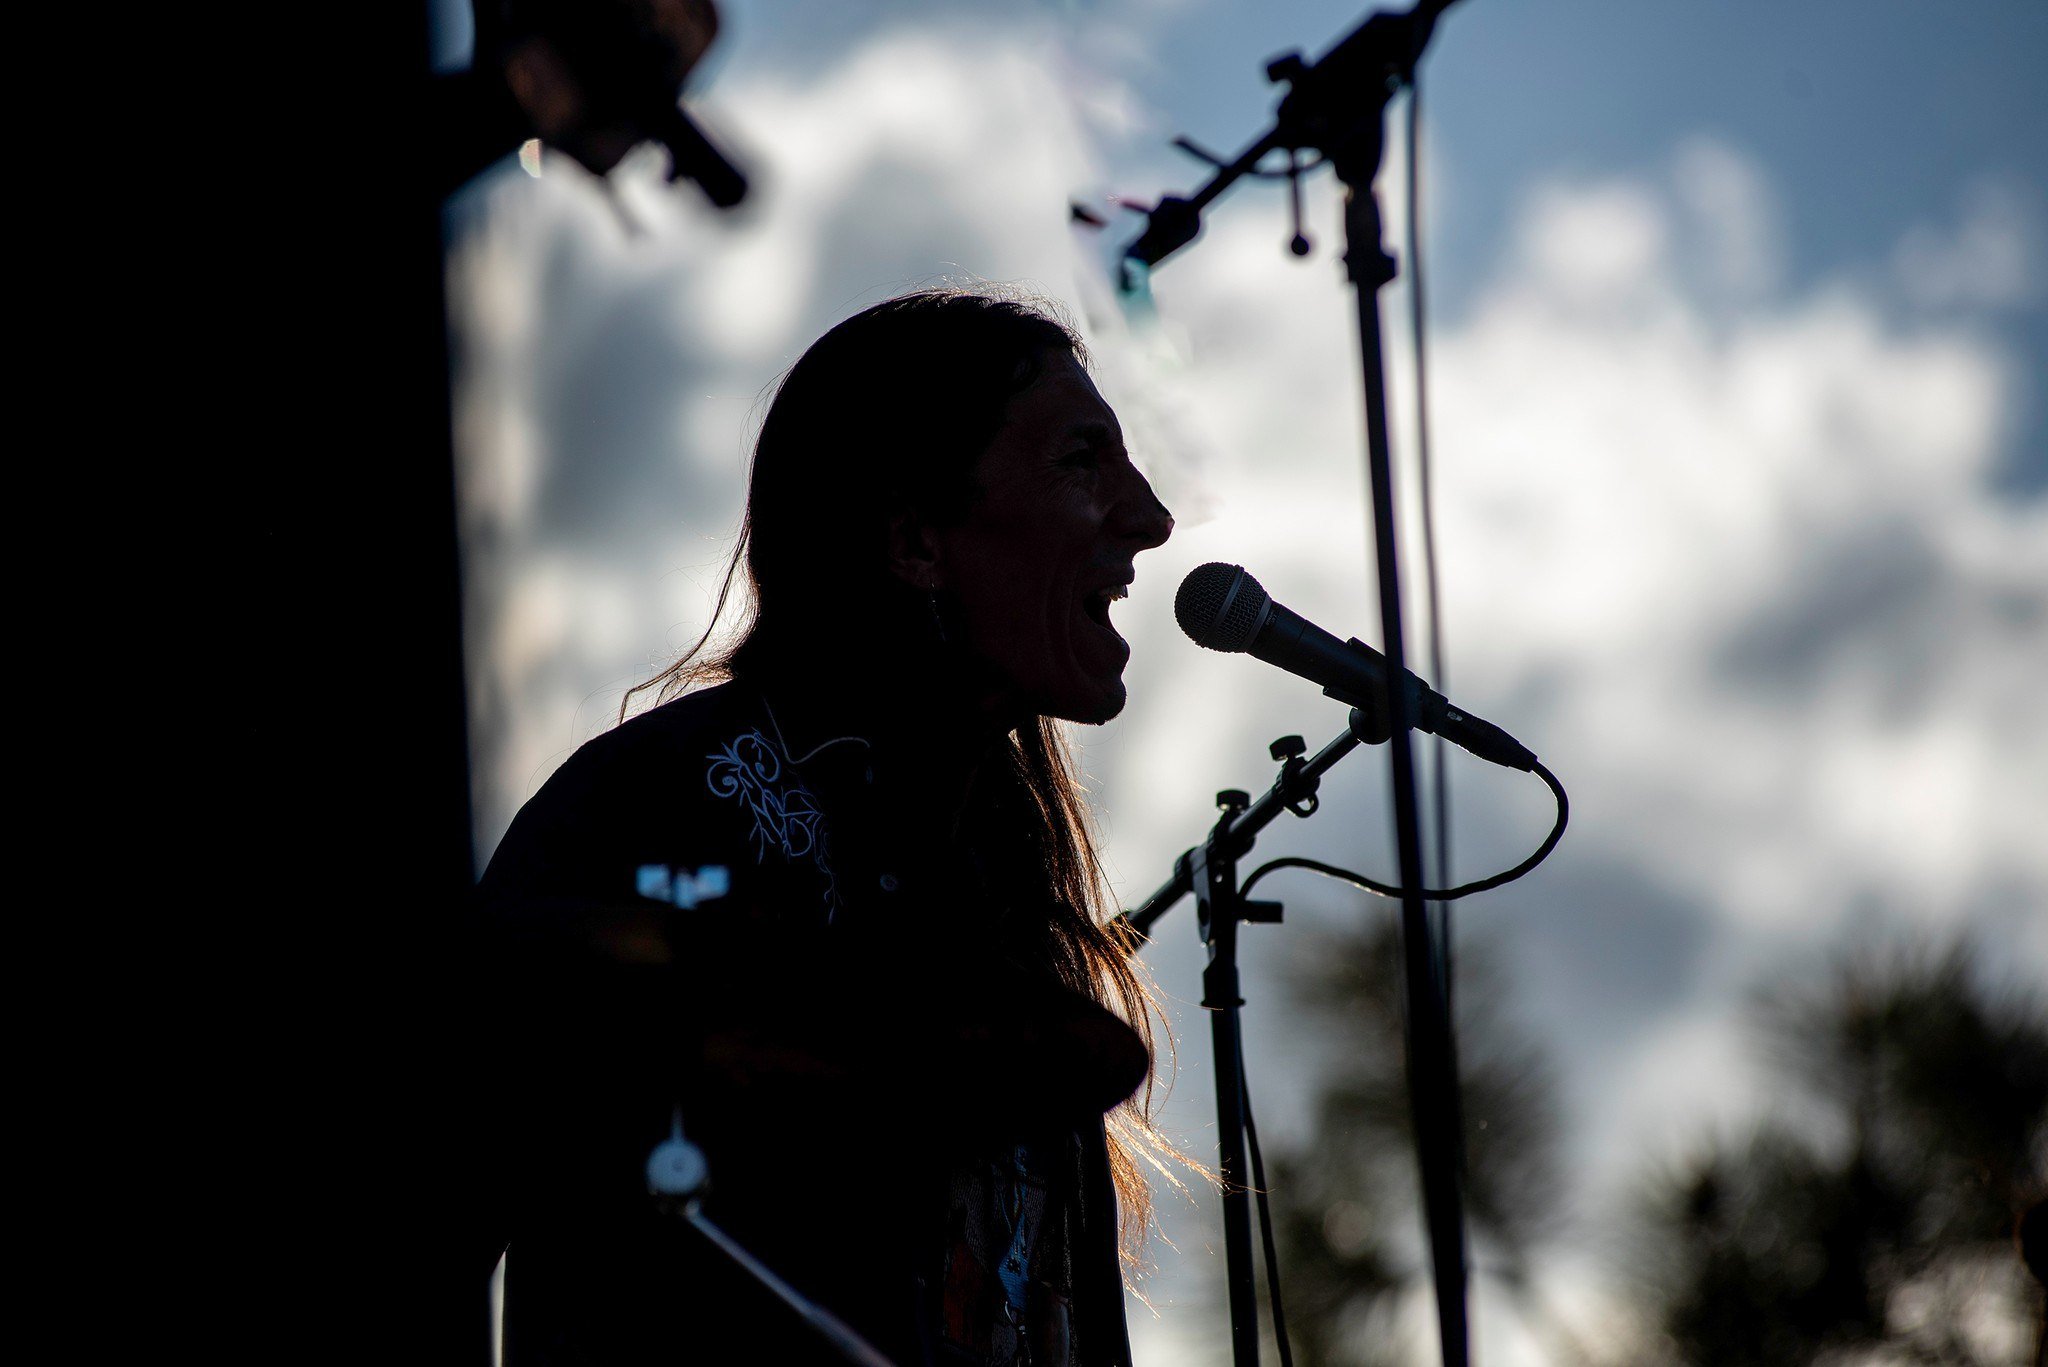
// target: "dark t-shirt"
[[898, 1122], [1007, 1290]]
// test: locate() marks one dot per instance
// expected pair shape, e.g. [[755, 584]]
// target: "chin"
[[1092, 709]]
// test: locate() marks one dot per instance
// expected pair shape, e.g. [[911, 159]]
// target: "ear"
[[914, 551]]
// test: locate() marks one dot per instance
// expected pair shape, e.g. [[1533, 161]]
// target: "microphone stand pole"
[[1432, 1059], [1338, 105], [1221, 907]]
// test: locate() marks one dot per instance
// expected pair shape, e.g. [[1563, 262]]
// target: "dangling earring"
[[938, 622]]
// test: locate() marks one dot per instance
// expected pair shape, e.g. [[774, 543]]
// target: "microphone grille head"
[[1220, 606]]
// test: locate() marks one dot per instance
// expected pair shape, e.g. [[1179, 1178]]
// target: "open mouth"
[[1096, 604]]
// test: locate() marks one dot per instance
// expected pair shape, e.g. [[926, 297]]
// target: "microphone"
[[1221, 607]]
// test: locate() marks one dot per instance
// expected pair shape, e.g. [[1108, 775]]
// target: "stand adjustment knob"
[[1288, 747], [1233, 799]]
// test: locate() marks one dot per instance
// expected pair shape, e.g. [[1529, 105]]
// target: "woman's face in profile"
[[1049, 545]]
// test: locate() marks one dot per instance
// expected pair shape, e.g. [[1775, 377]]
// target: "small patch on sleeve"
[[683, 887]]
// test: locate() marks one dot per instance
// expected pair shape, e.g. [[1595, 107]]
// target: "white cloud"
[[1990, 258], [1737, 545], [1594, 245], [1737, 236]]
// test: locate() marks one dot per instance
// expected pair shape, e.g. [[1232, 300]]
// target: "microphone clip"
[[1370, 722]]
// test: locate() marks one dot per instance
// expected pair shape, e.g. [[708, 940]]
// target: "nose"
[[1140, 516]]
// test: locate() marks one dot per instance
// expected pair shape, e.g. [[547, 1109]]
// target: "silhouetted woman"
[[855, 875]]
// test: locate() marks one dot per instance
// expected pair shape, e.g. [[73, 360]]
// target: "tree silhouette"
[[1346, 1209], [1872, 1219]]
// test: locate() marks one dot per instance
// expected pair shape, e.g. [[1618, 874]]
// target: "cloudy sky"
[[1739, 331]]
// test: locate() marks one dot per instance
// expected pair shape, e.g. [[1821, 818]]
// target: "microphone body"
[[1221, 607]]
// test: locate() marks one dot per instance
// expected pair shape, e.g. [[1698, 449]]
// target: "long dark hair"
[[889, 409]]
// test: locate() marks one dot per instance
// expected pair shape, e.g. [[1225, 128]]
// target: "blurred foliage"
[[1871, 1217], [1868, 1220], [1346, 1208]]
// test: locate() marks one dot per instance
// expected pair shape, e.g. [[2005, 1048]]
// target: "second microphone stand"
[[1209, 871], [1337, 106]]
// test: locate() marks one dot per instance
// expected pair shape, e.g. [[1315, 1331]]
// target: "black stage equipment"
[[1335, 106], [590, 77], [676, 1177]]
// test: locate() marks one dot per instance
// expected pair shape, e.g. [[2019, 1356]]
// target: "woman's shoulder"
[[677, 727], [696, 803], [640, 783]]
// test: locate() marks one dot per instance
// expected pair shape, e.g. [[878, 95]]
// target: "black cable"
[[1261, 1191], [1440, 917], [1444, 895], [1289, 172], [1439, 751]]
